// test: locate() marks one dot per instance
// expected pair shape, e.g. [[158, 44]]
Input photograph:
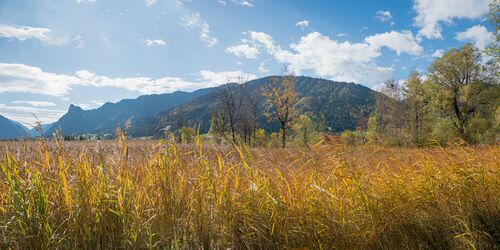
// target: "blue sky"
[[87, 52]]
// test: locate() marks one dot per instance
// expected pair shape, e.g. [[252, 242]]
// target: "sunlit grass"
[[161, 195]]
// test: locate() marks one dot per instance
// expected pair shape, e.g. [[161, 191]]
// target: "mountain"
[[343, 106], [106, 118], [33, 133], [10, 129]]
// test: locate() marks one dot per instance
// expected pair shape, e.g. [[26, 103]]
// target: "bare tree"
[[389, 106], [230, 99]]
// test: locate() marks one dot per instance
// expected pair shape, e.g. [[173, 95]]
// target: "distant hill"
[[108, 117], [343, 105], [10, 129]]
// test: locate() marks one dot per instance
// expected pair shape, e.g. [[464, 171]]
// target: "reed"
[[133, 194]]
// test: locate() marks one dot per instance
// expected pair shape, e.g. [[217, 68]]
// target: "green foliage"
[[371, 133], [467, 93], [218, 127], [353, 137], [442, 131], [304, 130], [260, 137], [187, 134], [458, 100]]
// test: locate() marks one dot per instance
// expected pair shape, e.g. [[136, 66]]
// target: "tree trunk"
[[283, 135], [305, 138], [462, 121]]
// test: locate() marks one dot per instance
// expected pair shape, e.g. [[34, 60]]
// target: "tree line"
[[457, 100]]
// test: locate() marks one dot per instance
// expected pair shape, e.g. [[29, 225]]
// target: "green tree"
[[467, 92], [186, 134], [371, 133], [304, 128], [416, 108], [260, 137], [218, 125]]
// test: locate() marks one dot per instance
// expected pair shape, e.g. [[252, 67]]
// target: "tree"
[[372, 130], [389, 110], [468, 93], [282, 101], [250, 114], [218, 126], [186, 134], [416, 104], [260, 137], [231, 101], [303, 127]]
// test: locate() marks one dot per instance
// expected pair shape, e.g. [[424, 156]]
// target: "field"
[[152, 194]]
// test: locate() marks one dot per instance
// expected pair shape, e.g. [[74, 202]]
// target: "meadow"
[[159, 194]]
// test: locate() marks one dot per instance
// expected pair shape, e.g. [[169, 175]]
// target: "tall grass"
[[134, 194]]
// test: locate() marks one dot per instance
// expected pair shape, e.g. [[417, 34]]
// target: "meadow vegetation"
[[150, 194]]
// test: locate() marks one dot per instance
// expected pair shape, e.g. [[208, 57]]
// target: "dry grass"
[[158, 195]]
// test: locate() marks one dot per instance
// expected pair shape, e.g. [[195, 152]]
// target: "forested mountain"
[[108, 117], [343, 106], [10, 129]]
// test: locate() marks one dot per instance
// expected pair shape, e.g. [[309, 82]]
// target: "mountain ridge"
[[342, 104], [107, 117], [10, 129]]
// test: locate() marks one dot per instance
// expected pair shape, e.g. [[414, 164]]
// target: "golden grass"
[[160, 195]]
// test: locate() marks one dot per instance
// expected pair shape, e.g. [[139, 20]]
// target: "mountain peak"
[[73, 108]]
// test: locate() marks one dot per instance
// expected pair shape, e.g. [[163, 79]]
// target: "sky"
[[54, 53]]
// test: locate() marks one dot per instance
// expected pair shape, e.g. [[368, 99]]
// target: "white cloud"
[[438, 53], [336, 60], [342, 61], [20, 78], [246, 3], [26, 115], [194, 21], [341, 35], [477, 34], [26, 32], [383, 15], [302, 24], [23, 78], [36, 103], [85, 1], [149, 2], [262, 68], [80, 43], [401, 42], [243, 50], [431, 13], [212, 79], [238, 2], [154, 42]]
